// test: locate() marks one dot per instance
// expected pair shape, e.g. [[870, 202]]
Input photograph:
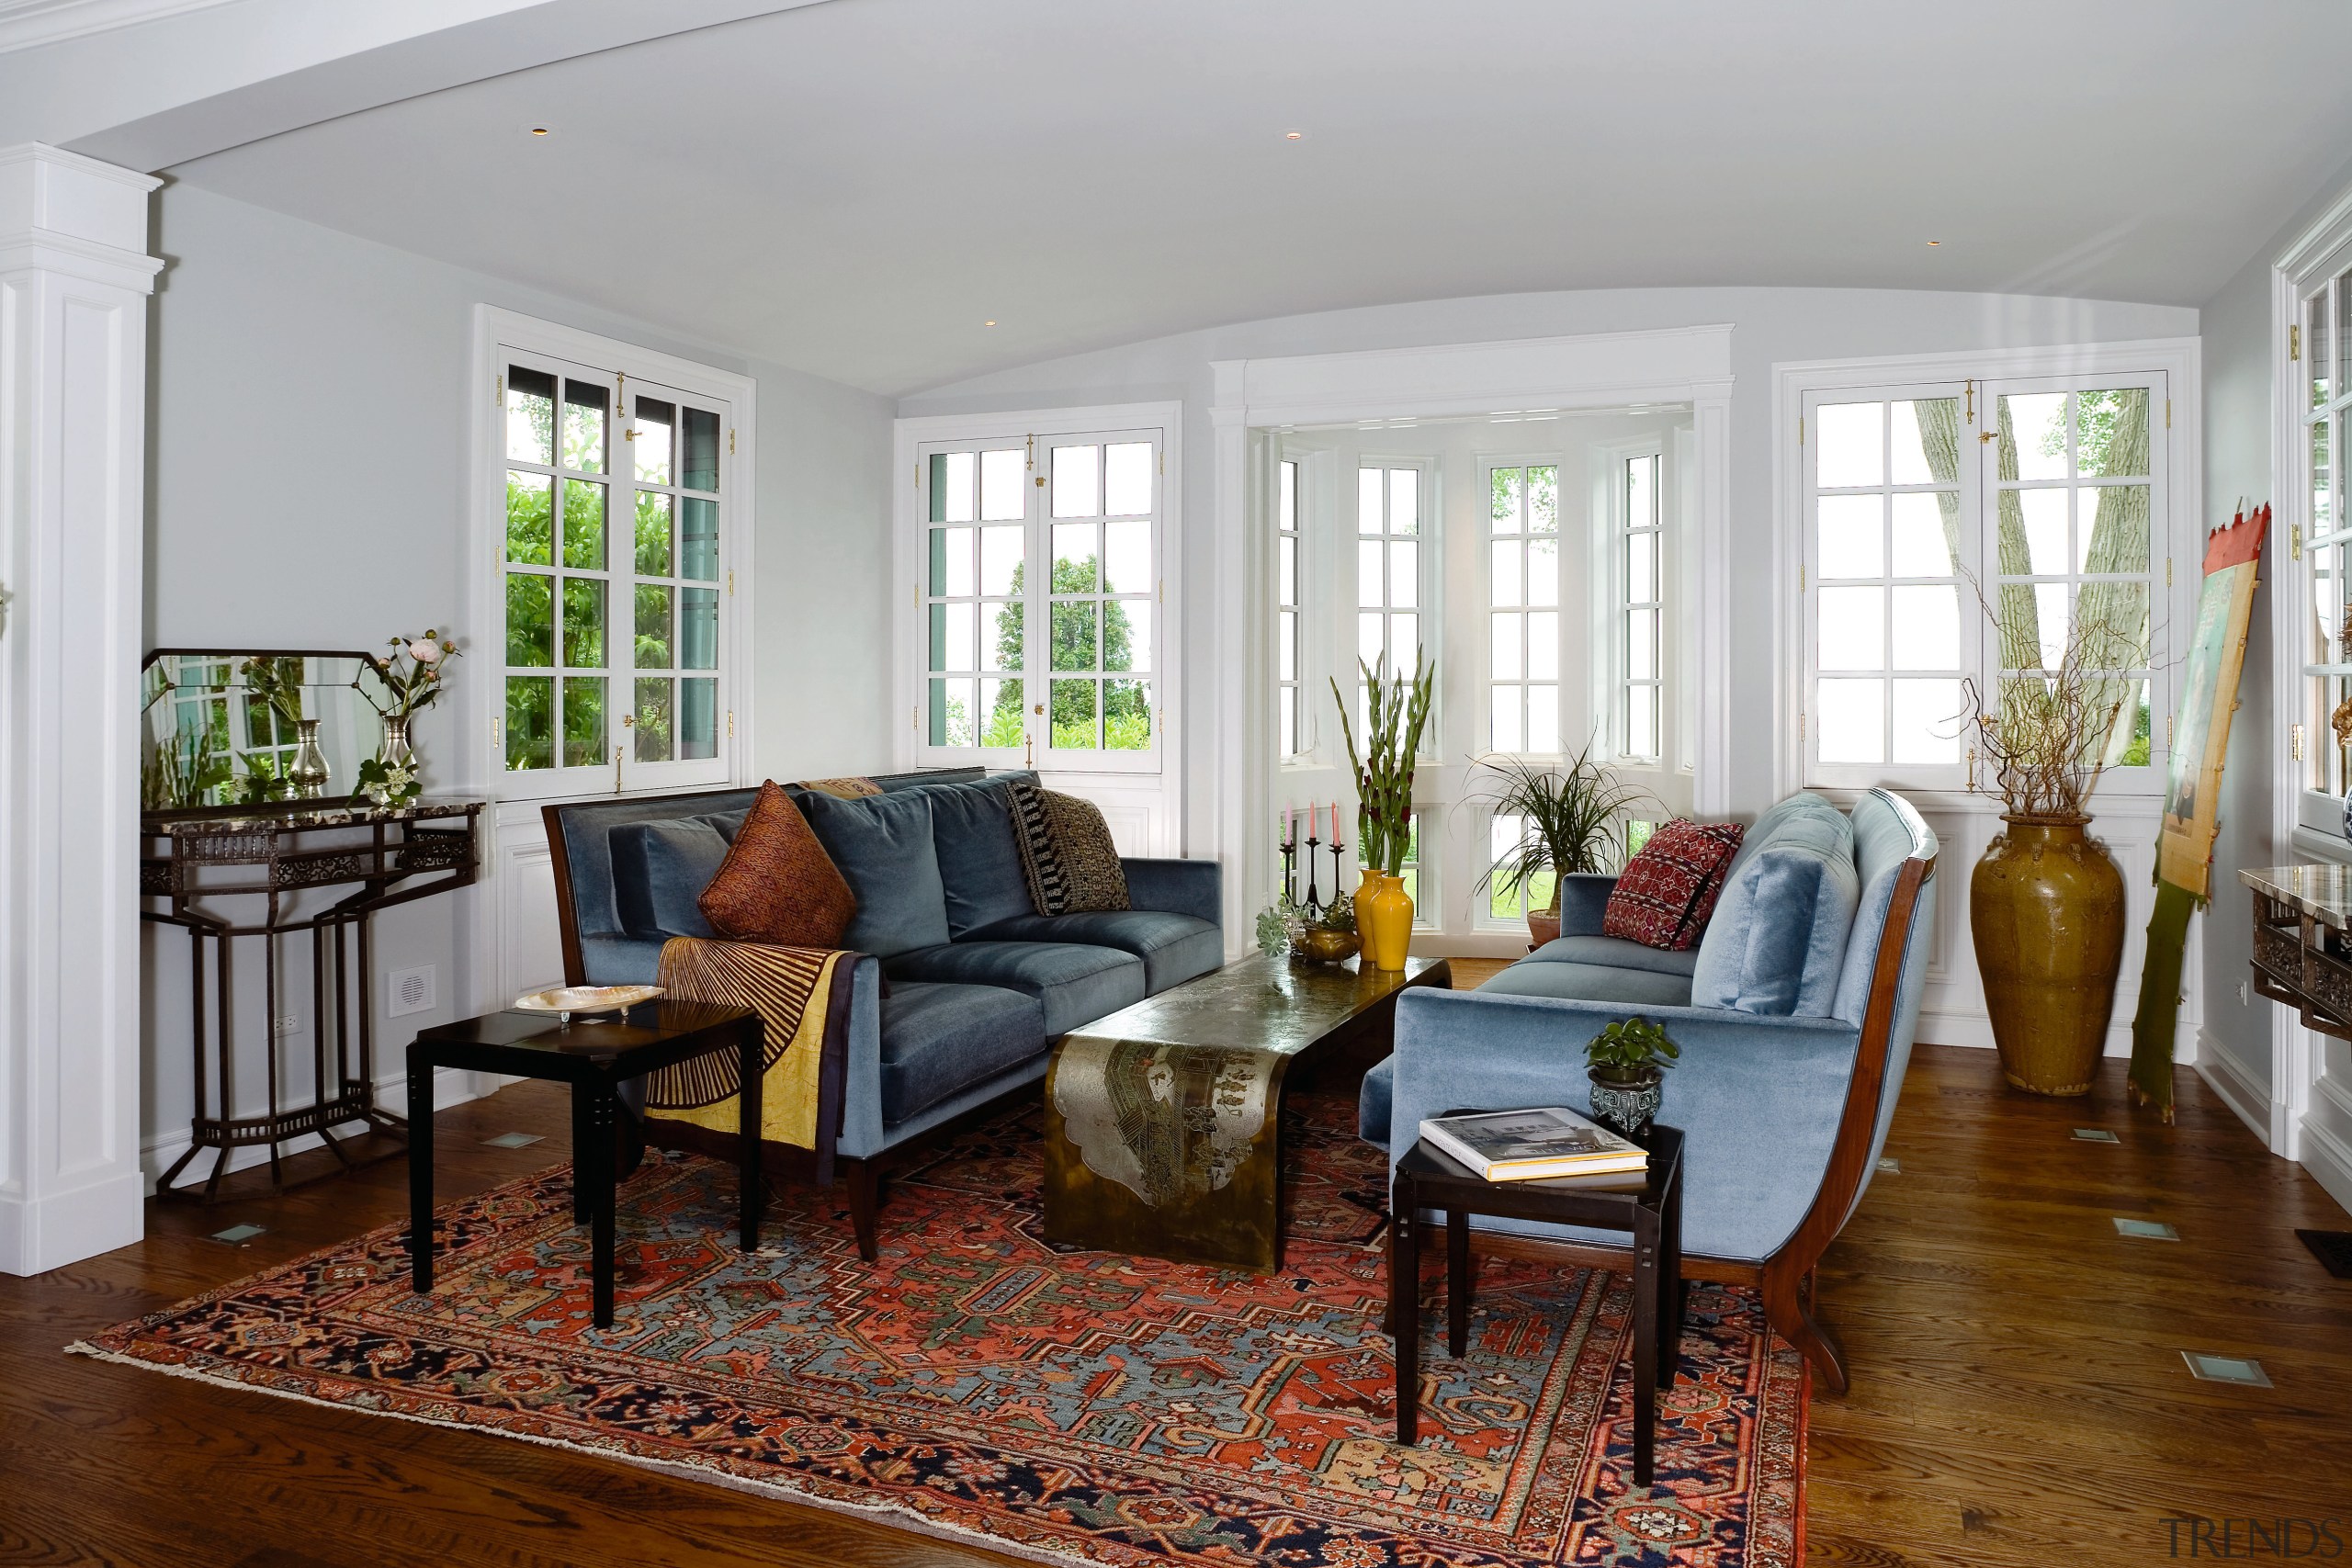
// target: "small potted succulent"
[[1627, 1062]]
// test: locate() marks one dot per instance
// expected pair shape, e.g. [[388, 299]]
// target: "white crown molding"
[[28, 24]]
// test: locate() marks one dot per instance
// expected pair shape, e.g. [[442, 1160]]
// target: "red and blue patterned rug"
[[1066, 1406]]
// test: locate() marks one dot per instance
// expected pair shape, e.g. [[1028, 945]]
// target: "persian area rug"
[[1064, 1406]]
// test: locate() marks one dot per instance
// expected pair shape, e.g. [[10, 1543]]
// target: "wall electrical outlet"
[[287, 1024], [412, 990]]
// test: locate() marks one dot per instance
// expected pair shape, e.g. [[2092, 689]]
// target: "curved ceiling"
[[854, 189]]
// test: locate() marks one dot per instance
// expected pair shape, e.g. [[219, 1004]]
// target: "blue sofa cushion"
[[1591, 983], [938, 1041], [1077, 985], [1174, 948], [1777, 943], [883, 845], [609, 959], [1614, 952], [659, 869], [979, 862]]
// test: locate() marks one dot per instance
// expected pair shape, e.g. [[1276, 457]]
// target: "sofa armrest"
[[1758, 1099], [1194, 887], [1584, 898], [861, 1133]]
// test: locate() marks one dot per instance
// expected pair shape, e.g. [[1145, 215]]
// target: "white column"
[[74, 277]]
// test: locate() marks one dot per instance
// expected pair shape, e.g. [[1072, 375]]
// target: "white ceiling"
[[854, 187]]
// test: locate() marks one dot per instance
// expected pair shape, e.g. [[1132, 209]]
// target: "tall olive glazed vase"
[[2046, 909]]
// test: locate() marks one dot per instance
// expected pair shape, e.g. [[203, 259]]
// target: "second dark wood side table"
[[1651, 1215], [594, 1057]]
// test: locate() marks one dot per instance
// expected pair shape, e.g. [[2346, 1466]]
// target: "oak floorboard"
[[2018, 1396]]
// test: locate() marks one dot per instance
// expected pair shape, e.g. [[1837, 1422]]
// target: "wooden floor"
[[2018, 1392]]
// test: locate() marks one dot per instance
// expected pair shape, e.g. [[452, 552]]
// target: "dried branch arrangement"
[[2049, 735]]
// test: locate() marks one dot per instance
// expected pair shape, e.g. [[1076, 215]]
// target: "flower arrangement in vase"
[[412, 677], [1396, 709]]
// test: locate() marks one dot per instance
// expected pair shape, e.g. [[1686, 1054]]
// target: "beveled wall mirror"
[[247, 728]]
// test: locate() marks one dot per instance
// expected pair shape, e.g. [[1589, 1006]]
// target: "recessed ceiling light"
[[1294, 136], [1934, 241], [988, 323], [539, 130]]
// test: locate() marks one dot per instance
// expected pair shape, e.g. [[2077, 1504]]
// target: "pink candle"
[[1335, 821]]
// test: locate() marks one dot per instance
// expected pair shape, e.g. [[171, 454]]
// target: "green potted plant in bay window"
[[1571, 819]]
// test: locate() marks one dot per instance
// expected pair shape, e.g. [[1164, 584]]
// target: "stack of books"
[[1552, 1144]]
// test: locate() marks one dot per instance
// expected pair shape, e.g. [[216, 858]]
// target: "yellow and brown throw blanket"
[[802, 995]]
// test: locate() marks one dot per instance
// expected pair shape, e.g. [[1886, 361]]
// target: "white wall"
[[1772, 325], [2238, 1053], [306, 476]]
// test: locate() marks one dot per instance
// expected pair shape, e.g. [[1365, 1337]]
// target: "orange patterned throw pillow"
[[1669, 890], [777, 884]]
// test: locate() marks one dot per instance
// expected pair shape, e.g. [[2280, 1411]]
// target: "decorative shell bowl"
[[565, 1000], [1320, 944]]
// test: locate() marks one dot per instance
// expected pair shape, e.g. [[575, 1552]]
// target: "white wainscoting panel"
[[1139, 809]]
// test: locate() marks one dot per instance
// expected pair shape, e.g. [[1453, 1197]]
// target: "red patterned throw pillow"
[[1670, 887], [777, 884]]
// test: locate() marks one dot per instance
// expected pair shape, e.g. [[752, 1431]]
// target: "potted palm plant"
[[1572, 819]]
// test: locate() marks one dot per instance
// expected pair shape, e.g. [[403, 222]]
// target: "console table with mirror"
[[250, 834]]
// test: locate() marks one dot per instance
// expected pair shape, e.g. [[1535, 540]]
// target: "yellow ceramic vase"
[[1385, 918]]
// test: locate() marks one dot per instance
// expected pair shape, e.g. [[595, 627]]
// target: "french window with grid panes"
[[1523, 607], [1292, 735], [2323, 361], [1640, 607], [1396, 500], [614, 581], [1959, 539], [1081, 695]]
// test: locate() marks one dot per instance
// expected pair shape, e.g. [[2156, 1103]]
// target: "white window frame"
[[498, 337], [1294, 483], [2177, 411], [1613, 610], [1428, 608], [915, 439], [2305, 739], [1482, 720]]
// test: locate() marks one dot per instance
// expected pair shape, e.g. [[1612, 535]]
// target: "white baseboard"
[[2225, 1077], [58, 1228], [451, 1086], [2329, 1159], [1938, 1027]]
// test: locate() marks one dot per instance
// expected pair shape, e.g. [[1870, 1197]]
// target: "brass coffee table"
[[1163, 1121]]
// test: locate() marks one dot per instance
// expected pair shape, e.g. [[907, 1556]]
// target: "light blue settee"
[[1794, 1017], [979, 986]]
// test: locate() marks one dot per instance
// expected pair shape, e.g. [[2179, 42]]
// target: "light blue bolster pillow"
[[1777, 943]]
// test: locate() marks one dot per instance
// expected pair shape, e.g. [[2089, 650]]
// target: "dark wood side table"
[[594, 1057], [1652, 1215]]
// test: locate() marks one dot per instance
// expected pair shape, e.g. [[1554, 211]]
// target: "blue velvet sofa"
[[1794, 1017], [960, 989]]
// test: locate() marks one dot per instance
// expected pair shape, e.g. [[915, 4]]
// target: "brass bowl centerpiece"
[[1321, 944]]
